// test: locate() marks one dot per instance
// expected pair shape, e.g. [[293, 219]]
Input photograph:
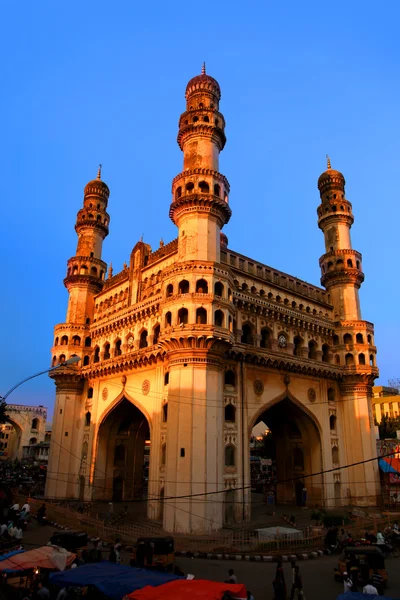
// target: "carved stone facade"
[[25, 426], [191, 345]]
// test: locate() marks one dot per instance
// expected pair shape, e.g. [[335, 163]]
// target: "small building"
[[385, 402], [25, 426]]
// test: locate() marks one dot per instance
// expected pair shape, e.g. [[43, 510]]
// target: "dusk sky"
[[85, 83]]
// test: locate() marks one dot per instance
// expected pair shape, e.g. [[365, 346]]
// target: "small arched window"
[[86, 360], [349, 359], [184, 287], [143, 339], [247, 334], [90, 392], [230, 455], [230, 413], [170, 290], [163, 454], [165, 412], [361, 359], [93, 271], [335, 455], [359, 338], [312, 350], [62, 358], [87, 418], [166, 378], [219, 318], [218, 289], [204, 187], [201, 286], [201, 316], [156, 334], [76, 340], [178, 192], [331, 394], [32, 441], [56, 341], [217, 190], [206, 119], [54, 361], [350, 263], [35, 424], [168, 319], [265, 341], [369, 339], [326, 356], [117, 348], [107, 354], [189, 187], [371, 360], [347, 338], [298, 343], [64, 340], [88, 342], [183, 316], [332, 422], [230, 378]]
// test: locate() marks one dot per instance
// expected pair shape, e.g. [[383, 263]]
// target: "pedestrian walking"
[[279, 583], [110, 508], [293, 566], [298, 585]]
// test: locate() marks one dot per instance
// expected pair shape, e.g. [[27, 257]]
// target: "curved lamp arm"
[[70, 361]]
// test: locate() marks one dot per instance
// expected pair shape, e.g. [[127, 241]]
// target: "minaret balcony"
[[202, 202]]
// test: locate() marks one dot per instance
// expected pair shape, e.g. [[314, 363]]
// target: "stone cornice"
[[335, 217], [338, 253], [204, 130], [116, 279], [203, 203], [190, 172], [342, 276], [93, 283], [197, 267]]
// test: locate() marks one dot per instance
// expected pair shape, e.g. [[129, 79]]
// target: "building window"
[[331, 394], [219, 289], [201, 316], [156, 334], [332, 422], [312, 350], [349, 359], [87, 419], [64, 340], [359, 338], [335, 455], [168, 319], [201, 286], [88, 342], [219, 318], [230, 455], [298, 343], [184, 287], [183, 316], [170, 290], [90, 392], [325, 353], [230, 378], [143, 339], [361, 359], [265, 341], [163, 454], [86, 360], [35, 424], [107, 354], [247, 334], [96, 356], [230, 413], [165, 412], [347, 338], [117, 348]]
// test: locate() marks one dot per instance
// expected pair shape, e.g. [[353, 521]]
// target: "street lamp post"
[[70, 361]]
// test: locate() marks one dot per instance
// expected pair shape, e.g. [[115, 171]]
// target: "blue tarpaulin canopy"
[[115, 581], [386, 467]]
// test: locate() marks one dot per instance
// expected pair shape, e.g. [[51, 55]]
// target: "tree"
[[3, 415], [388, 427]]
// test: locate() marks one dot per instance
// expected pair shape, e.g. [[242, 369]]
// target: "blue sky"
[[90, 82]]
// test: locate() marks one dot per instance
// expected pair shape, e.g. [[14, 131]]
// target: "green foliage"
[[3, 415], [388, 427]]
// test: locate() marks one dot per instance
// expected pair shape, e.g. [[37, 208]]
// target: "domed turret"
[[330, 180], [97, 187], [203, 83]]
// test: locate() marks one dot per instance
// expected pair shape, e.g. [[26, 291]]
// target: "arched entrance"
[[122, 454], [293, 445]]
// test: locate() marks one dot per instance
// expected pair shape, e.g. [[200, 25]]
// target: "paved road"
[[317, 574]]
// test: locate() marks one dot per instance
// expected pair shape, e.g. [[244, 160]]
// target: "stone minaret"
[[197, 318], [341, 265], [352, 344], [200, 193], [84, 279]]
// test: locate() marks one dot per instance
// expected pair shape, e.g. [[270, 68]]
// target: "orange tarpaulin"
[[46, 557], [195, 589]]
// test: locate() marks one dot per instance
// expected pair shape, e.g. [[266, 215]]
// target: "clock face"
[[282, 341], [130, 342]]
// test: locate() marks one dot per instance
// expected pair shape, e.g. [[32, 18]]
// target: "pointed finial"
[[125, 266], [203, 69], [110, 271], [99, 172], [328, 162], [161, 243]]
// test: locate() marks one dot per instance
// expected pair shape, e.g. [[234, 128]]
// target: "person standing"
[[232, 577], [347, 582], [378, 581], [293, 565]]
